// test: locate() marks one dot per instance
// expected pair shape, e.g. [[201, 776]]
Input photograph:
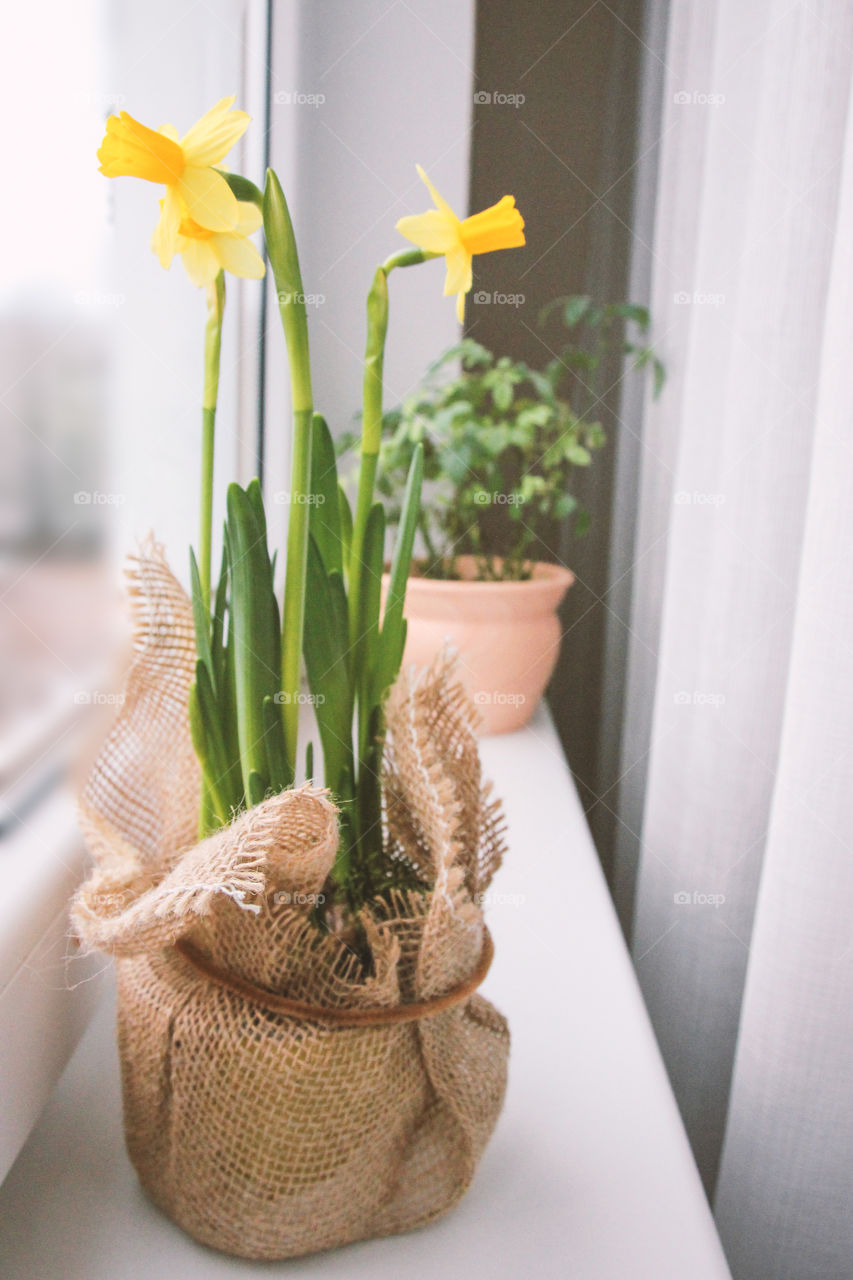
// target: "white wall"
[[172, 65], [396, 86]]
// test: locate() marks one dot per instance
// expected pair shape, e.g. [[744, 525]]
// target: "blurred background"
[[101, 358], [58, 312]]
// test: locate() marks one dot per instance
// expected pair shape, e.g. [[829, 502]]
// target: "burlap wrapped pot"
[[280, 1096]]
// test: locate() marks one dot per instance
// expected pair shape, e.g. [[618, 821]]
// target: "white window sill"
[[47, 993], [589, 1173]]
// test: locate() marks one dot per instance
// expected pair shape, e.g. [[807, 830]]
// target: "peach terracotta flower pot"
[[507, 634]]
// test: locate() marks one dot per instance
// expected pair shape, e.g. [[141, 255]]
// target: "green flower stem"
[[281, 249], [212, 347], [365, 568], [293, 616], [210, 395], [371, 427]]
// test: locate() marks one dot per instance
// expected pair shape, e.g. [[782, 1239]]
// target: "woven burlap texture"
[[263, 1134]]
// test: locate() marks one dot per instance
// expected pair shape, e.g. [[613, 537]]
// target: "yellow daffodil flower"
[[183, 166], [204, 253], [439, 231]]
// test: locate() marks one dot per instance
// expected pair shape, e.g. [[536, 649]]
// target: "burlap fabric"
[[263, 1134]]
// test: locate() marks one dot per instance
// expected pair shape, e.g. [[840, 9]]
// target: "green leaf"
[[632, 311], [498, 439], [659, 377], [595, 435], [369, 791], [217, 633], [257, 788], [541, 384], [256, 498], [254, 627], [393, 627], [325, 518], [326, 660], [537, 415], [339, 614], [548, 310], [366, 654], [244, 189], [201, 617], [393, 646], [502, 395], [574, 310], [531, 486], [209, 745], [213, 809], [564, 505], [226, 703], [472, 355], [345, 512], [574, 358], [578, 456], [372, 565], [279, 772], [457, 463]]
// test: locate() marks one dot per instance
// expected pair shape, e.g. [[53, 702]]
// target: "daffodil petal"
[[164, 239], [200, 261], [212, 137], [209, 199], [215, 113], [499, 227], [460, 306], [131, 149], [439, 201], [459, 273], [249, 219], [432, 231], [238, 255]]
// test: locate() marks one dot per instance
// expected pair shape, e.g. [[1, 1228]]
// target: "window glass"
[[57, 323]]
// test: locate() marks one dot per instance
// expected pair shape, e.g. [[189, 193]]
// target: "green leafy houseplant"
[[501, 441]]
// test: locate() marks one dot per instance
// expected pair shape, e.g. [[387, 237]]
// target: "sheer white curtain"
[[736, 801]]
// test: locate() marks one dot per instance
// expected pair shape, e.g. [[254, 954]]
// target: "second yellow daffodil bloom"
[[184, 166], [204, 253], [440, 231]]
